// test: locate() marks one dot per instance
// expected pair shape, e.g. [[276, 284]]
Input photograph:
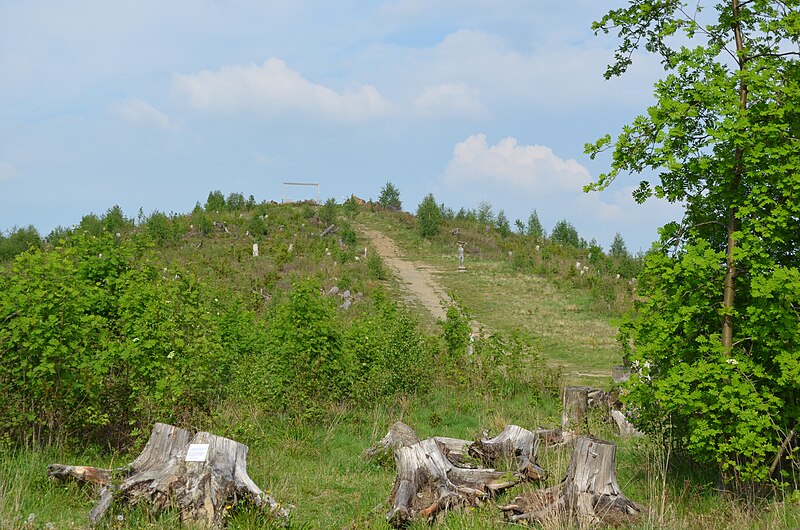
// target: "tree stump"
[[625, 427], [399, 435], [589, 493], [573, 412], [199, 477], [428, 483], [514, 442]]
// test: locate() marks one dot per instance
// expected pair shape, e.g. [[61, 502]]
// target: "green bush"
[[97, 342], [429, 217]]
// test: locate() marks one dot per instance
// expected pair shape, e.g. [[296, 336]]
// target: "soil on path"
[[416, 277]]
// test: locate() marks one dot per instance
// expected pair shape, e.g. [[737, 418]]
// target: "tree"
[[501, 223], [716, 341], [618, 248], [534, 227], [485, 213], [328, 212], [18, 241], [390, 197], [566, 234], [215, 201], [429, 217]]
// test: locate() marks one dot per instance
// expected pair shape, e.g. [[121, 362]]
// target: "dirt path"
[[416, 277]]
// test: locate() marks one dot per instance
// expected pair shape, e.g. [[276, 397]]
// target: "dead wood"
[[399, 435], [200, 487], [439, 473], [427, 483], [328, 230], [513, 442], [625, 427], [589, 493]]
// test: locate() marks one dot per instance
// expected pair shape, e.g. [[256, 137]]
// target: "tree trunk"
[[589, 493], [729, 288], [428, 483], [200, 477]]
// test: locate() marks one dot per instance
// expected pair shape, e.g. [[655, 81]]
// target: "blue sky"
[[153, 104]]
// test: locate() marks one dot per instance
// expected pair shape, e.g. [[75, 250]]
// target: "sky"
[[154, 104]]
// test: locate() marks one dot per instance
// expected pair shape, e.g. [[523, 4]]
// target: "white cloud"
[[450, 99], [137, 111], [533, 168], [274, 88], [7, 171]]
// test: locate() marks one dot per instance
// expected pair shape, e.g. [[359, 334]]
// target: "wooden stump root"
[[589, 493], [162, 476]]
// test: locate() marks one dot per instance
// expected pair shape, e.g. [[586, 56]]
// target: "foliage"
[[215, 201], [618, 248], [429, 217], [566, 234], [96, 341], [501, 223], [485, 214], [235, 201], [18, 240], [328, 212], [390, 197], [456, 331], [376, 270], [534, 227], [350, 207], [717, 326]]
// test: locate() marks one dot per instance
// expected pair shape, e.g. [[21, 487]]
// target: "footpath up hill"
[[568, 324]]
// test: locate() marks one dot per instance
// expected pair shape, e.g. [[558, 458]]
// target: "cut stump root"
[[589, 493], [161, 475], [427, 483], [436, 474]]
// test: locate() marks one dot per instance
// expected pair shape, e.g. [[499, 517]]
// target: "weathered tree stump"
[[199, 477], [399, 435], [428, 483], [589, 493], [573, 412], [515, 442], [625, 427]]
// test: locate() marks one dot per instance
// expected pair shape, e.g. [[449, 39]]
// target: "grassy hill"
[[118, 323]]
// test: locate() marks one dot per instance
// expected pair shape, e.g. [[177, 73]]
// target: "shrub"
[[429, 217]]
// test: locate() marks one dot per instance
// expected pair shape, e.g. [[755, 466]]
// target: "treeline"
[[116, 323]]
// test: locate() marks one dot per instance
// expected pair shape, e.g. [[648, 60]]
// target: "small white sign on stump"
[[197, 453], [255, 250]]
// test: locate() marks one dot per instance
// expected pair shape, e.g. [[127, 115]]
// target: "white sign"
[[197, 453]]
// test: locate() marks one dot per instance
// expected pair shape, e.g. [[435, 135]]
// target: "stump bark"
[[589, 493], [513, 442], [625, 427], [440, 473], [427, 483], [200, 487], [573, 412]]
